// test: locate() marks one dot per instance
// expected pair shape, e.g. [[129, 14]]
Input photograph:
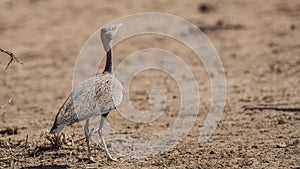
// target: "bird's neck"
[[109, 64]]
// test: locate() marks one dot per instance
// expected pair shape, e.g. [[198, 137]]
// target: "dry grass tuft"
[[57, 140]]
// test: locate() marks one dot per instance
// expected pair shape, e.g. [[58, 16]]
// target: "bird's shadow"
[[47, 167]]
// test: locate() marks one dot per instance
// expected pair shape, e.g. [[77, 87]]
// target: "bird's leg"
[[103, 141], [87, 138]]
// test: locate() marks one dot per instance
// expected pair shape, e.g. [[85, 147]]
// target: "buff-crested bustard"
[[94, 96]]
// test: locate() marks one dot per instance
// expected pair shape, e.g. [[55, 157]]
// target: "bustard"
[[94, 96]]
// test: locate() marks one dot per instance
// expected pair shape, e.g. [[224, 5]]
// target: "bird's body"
[[92, 97]]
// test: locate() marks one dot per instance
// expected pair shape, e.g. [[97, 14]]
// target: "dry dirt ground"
[[258, 43]]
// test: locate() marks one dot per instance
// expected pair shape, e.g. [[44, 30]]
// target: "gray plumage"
[[92, 97]]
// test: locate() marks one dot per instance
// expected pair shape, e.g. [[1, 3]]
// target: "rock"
[[281, 145], [281, 121], [205, 8]]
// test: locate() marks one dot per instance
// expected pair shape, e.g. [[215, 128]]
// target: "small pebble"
[[205, 8], [293, 27], [281, 121], [281, 145]]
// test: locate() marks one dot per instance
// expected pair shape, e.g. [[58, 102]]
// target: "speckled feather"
[[94, 96]]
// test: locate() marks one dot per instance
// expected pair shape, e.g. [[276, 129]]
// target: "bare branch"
[[12, 57], [286, 109]]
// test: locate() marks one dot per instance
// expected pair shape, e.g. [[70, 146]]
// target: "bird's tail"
[[55, 129]]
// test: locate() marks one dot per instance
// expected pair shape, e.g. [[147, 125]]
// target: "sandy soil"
[[258, 42]]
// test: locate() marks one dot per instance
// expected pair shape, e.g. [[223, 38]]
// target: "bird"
[[95, 96]]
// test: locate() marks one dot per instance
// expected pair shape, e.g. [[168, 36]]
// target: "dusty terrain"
[[258, 43]]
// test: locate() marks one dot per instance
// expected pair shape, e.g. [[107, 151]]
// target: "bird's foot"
[[112, 159], [92, 160]]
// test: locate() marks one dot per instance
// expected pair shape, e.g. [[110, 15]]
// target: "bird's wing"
[[93, 96]]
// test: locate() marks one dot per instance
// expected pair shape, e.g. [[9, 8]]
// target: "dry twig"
[[9, 101], [26, 142], [286, 109], [12, 57], [5, 158]]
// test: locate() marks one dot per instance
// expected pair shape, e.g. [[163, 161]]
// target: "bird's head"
[[107, 34]]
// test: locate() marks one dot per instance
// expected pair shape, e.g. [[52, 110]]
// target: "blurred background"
[[258, 43]]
